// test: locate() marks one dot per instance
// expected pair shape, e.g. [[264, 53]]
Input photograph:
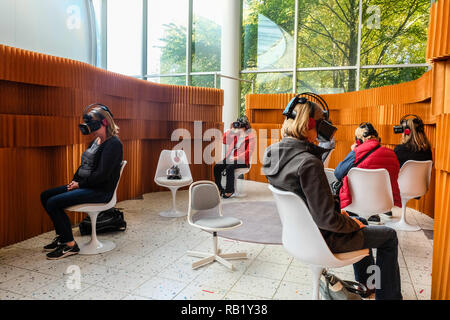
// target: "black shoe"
[[389, 214], [374, 220], [226, 197], [52, 246], [63, 251]]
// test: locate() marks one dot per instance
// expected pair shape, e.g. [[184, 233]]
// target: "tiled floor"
[[150, 262]]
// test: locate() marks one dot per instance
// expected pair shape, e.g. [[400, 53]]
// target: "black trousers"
[[229, 168], [56, 199]]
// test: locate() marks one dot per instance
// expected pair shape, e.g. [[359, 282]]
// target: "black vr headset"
[[241, 123], [403, 127], [324, 127], [90, 124], [370, 131]]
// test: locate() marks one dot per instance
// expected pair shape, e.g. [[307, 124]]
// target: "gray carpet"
[[261, 222]]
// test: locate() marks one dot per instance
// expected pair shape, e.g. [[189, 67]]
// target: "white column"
[[230, 53]]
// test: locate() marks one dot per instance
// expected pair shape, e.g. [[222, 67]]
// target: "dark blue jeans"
[[55, 200], [229, 167], [384, 239]]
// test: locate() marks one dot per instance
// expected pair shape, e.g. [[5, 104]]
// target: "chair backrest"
[[414, 178], [168, 158], [371, 191], [327, 160], [114, 197], [329, 172], [300, 236], [203, 195]]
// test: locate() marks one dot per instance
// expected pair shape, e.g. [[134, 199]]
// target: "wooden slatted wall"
[[383, 107], [41, 102], [438, 53], [428, 97]]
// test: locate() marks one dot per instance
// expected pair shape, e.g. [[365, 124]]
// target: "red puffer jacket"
[[243, 151], [383, 158]]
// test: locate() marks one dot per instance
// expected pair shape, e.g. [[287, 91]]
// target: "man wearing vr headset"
[[294, 164], [240, 143], [94, 181]]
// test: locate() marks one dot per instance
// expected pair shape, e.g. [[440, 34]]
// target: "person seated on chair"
[[414, 143], [240, 142], [367, 140], [93, 182], [294, 164]]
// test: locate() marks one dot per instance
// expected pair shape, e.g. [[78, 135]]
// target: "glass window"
[[167, 25], [125, 36], [323, 82], [177, 80], [206, 35], [204, 81], [372, 78], [394, 32], [327, 33], [268, 38], [265, 83]]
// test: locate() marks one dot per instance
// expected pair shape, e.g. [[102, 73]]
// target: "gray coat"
[[294, 165]]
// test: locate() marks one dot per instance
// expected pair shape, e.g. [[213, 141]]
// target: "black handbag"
[[337, 185], [334, 288], [107, 221]]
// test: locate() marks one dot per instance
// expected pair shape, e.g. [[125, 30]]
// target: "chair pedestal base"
[[172, 214], [96, 247], [239, 190], [402, 225], [222, 258]]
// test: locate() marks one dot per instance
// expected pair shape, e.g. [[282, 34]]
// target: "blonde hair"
[[359, 134], [416, 140], [298, 127], [111, 129]]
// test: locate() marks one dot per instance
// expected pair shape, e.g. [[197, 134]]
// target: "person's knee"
[[52, 204], [44, 198]]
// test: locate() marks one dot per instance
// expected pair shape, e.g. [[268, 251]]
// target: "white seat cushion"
[[241, 170], [184, 181], [218, 222], [91, 207]]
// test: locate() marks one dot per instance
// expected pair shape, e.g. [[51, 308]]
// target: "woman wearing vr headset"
[[240, 143], [294, 164], [414, 144], [367, 153], [94, 181]]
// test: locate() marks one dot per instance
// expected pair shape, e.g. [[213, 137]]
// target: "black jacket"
[[404, 154], [295, 165], [107, 167]]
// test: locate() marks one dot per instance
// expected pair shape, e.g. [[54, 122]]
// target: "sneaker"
[[63, 251], [374, 220], [226, 197], [389, 214], [52, 246]]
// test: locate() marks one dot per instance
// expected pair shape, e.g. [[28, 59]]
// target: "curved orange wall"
[[41, 102], [428, 97]]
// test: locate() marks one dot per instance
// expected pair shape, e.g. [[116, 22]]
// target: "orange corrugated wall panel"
[[428, 97], [41, 102]]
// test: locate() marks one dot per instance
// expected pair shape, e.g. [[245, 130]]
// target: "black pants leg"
[[229, 167], [57, 199], [218, 168], [384, 239]]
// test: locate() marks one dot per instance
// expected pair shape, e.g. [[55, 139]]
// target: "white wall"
[[56, 27]]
